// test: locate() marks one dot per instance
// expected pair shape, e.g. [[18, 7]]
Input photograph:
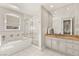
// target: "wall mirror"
[[68, 26], [12, 22]]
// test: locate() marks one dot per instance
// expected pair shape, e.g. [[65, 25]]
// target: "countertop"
[[69, 37]]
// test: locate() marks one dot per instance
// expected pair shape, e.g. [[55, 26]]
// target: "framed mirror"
[[12, 22], [68, 26]]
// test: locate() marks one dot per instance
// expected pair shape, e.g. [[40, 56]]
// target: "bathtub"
[[14, 46]]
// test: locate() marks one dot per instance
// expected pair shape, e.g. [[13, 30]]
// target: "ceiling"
[[29, 8], [55, 6], [34, 8]]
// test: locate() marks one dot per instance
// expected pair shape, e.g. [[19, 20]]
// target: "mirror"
[[12, 22], [68, 26]]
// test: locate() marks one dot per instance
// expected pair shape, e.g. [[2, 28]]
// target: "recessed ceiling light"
[[51, 6], [67, 8], [55, 12]]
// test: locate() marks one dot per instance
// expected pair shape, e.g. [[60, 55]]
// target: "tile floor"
[[33, 51]]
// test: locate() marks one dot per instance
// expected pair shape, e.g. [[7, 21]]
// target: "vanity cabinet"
[[75, 45], [67, 46], [48, 42], [62, 45], [55, 43]]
